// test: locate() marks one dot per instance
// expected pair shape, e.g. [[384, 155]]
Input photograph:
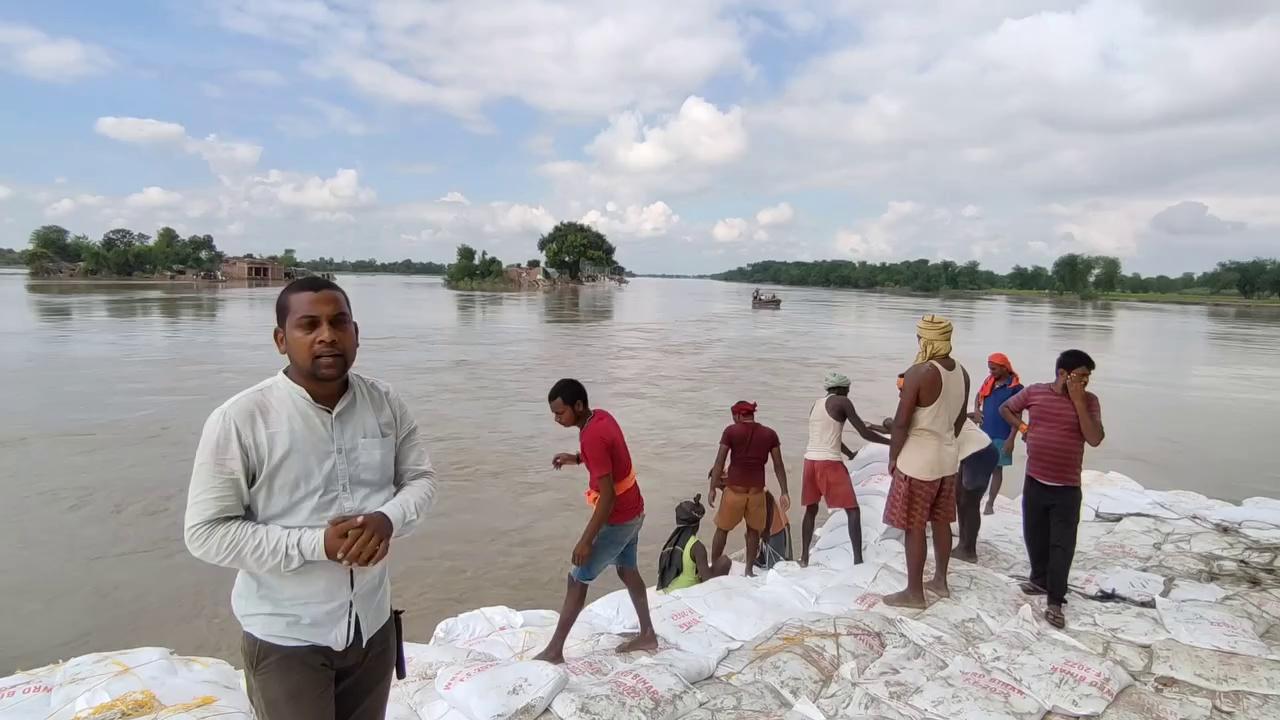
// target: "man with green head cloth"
[[825, 474]]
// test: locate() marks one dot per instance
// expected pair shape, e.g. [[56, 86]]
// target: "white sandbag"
[[25, 696], [686, 628], [476, 624], [871, 482], [1184, 590], [1058, 671], [867, 455], [947, 629], [725, 701], [501, 691], [1139, 703], [1129, 623], [1133, 585], [740, 607], [996, 597], [636, 692], [521, 643], [1219, 671], [896, 676], [800, 657], [152, 678], [968, 691], [614, 612], [693, 668], [1212, 627]]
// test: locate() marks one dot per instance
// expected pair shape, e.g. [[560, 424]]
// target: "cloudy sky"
[[697, 134]]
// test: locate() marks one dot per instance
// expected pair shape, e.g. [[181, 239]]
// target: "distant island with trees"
[[1085, 276], [575, 253], [53, 251]]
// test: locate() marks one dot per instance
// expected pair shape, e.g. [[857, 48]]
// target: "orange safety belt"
[[619, 487]]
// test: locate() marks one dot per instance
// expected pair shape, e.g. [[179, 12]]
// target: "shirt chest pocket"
[[375, 462]]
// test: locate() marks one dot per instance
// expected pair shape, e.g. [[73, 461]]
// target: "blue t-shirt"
[[992, 424]]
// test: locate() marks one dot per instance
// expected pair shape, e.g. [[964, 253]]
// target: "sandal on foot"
[[1054, 616]]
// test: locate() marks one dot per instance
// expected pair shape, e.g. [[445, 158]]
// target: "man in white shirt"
[[301, 483]]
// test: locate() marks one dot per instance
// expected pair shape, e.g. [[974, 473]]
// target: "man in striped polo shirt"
[[1064, 416]]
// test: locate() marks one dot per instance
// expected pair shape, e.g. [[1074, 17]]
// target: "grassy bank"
[[500, 284]]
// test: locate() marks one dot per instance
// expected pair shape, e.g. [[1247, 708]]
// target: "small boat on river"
[[767, 302]]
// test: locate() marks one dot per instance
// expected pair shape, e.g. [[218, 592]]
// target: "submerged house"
[[250, 268]]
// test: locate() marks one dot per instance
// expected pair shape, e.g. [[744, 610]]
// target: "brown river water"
[[106, 387]]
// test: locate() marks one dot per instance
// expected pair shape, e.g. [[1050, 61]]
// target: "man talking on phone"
[[1064, 416]]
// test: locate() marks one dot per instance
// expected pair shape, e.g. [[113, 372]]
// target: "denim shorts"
[[614, 545]]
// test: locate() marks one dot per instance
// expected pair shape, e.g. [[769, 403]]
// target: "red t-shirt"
[[1055, 444], [604, 452], [750, 444]]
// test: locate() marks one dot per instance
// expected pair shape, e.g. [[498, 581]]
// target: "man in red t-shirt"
[[747, 446], [613, 532], [1064, 416]]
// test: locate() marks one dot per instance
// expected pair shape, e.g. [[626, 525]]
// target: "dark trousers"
[[1050, 516], [975, 476], [320, 683]]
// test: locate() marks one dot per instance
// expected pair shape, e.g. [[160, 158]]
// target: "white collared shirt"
[[273, 467]]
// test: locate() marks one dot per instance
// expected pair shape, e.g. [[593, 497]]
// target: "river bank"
[[1157, 298], [1174, 614]]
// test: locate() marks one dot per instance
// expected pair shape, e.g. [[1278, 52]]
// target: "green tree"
[[1272, 280], [40, 262], [570, 245], [1072, 273], [1108, 275], [1250, 275], [533, 263], [167, 250], [54, 240]]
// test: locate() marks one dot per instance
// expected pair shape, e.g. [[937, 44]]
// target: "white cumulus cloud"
[[650, 220], [153, 197], [730, 230], [225, 157], [453, 196], [779, 214], [343, 190], [699, 134], [29, 51]]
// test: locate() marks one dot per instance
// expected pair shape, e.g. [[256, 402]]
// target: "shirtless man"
[[825, 474]]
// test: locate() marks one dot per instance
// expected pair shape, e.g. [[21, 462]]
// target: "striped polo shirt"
[[1055, 444]]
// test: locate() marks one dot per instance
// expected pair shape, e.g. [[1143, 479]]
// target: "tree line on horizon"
[[122, 252], [1073, 273]]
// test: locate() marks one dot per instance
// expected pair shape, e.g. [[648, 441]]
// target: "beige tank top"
[[931, 451], [825, 434]]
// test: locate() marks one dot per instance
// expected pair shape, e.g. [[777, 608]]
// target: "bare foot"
[[938, 586], [964, 555], [905, 599], [555, 658], [640, 643], [990, 510], [804, 562]]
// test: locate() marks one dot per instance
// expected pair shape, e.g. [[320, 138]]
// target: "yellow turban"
[[935, 338]]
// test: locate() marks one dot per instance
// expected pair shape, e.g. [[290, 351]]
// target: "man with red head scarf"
[[1001, 384], [747, 446]]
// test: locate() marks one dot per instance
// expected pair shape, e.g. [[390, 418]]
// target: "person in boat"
[[825, 475], [313, 594], [1065, 417], [775, 547], [1001, 384], [747, 446], [924, 459], [612, 535], [755, 295], [684, 561]]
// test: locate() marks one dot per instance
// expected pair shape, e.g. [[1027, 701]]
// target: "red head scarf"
[[742, 407], [990, 383]]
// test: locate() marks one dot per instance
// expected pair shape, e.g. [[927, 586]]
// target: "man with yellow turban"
[[924, 458]]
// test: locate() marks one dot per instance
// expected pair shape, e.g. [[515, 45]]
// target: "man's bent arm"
[[779, 469], [1090, 422], [215, 529], [604, 508], [415, 478], [907, 400], [717, 470]]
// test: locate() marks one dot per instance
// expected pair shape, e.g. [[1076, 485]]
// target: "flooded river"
[[106, 386]]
